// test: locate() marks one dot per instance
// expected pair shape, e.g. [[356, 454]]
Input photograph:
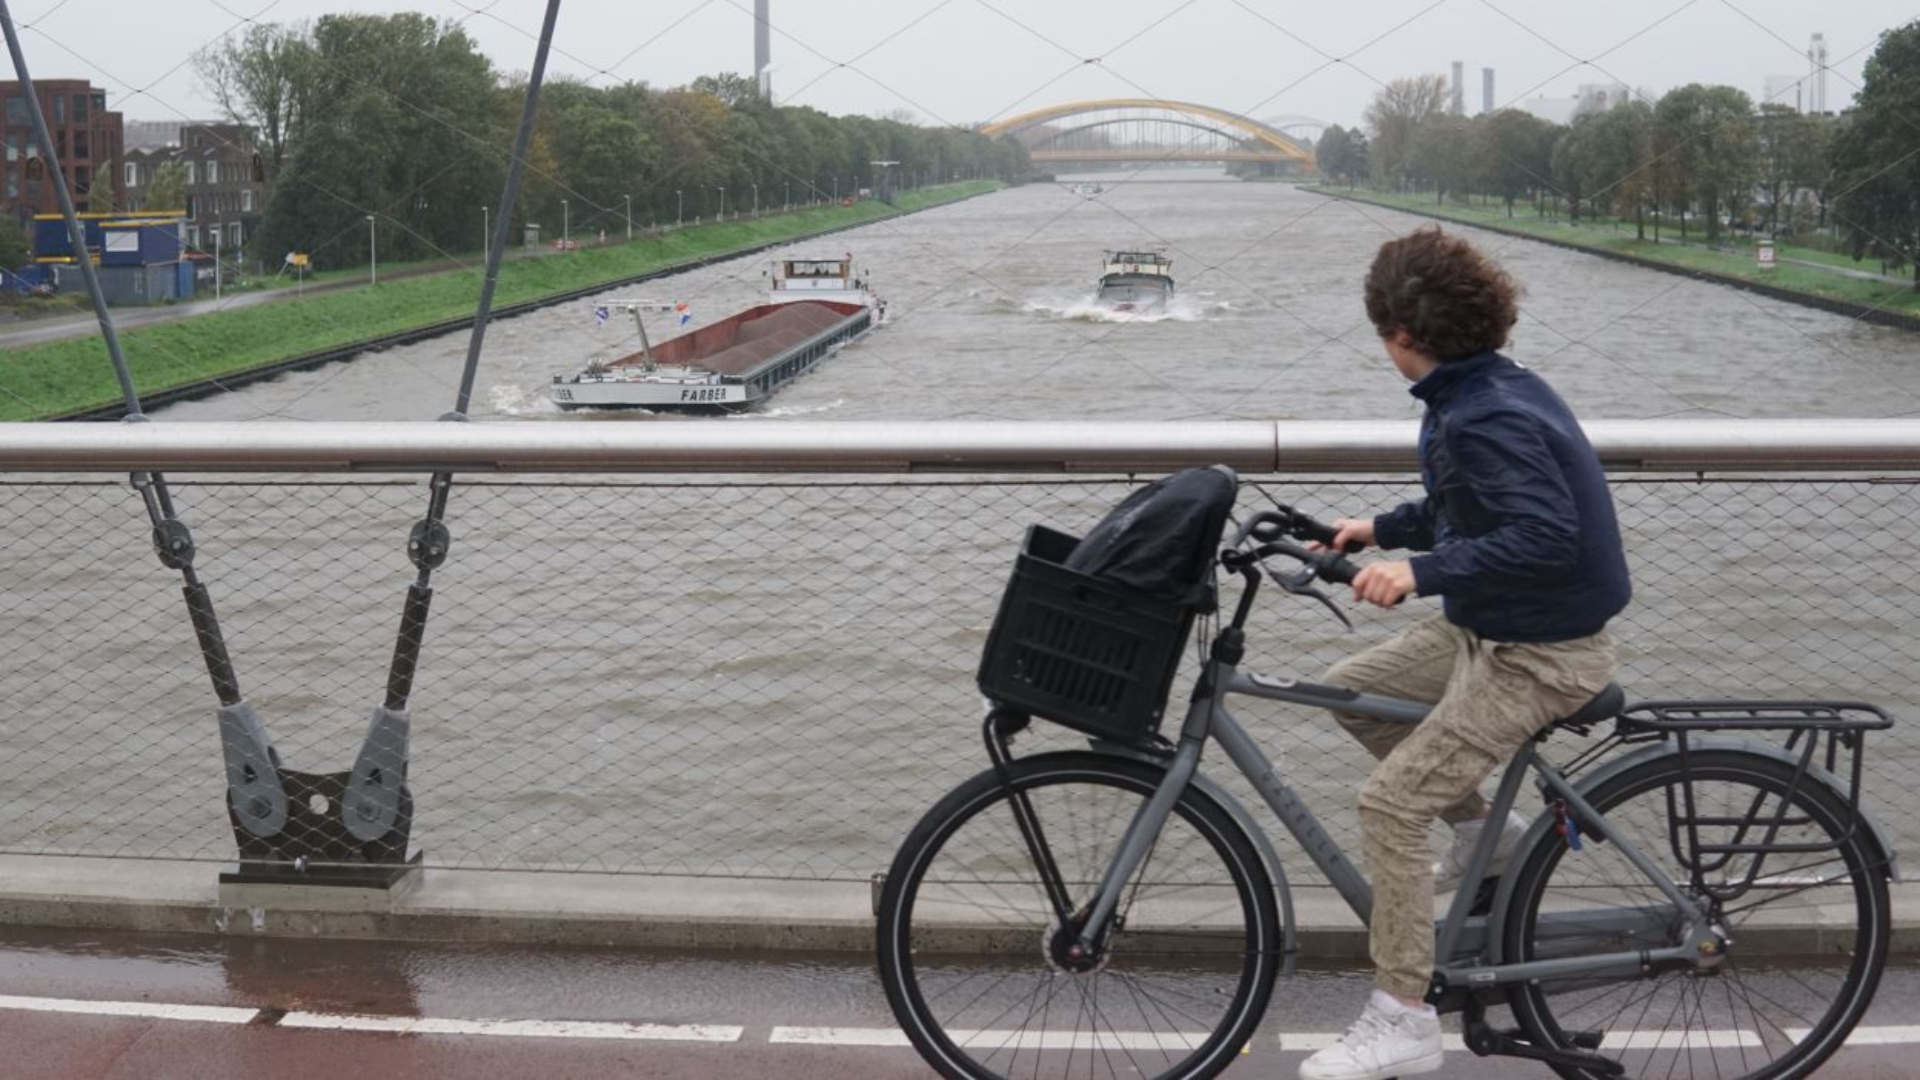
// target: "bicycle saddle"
[[1604, 705]]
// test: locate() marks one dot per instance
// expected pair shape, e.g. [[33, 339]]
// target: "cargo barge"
[[815, 307]]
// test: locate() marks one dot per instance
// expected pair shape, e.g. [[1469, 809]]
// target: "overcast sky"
[[966, 61]]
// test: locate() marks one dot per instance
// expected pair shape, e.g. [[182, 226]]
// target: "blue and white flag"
[[600, 315]]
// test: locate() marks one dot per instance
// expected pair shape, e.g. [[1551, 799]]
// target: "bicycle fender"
[[1585, 785]]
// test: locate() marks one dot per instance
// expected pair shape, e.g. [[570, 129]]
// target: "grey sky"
[[965, 61]]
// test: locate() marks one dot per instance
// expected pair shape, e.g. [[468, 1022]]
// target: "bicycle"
[[1112, 911]]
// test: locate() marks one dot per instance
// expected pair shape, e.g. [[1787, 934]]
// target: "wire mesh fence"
[[765, 678]]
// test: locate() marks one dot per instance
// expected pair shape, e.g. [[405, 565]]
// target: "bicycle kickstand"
[[1487, 1041]]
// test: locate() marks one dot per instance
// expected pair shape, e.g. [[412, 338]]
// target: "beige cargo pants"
[[1490, 697]]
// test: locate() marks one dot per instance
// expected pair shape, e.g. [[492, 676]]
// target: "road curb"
[[658, 911]]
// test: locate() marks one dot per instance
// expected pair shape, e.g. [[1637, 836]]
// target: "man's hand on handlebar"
[[1383, 583]]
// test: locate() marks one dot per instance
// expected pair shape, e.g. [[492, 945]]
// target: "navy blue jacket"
[[1517, 519]]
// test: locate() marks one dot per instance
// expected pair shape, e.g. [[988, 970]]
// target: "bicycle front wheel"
[[977, 965], [1806, 916]]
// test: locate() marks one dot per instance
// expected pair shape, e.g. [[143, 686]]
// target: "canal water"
[[991, 319], [774, 677]]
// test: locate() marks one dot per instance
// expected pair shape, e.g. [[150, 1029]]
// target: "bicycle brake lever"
[[1302, 584]]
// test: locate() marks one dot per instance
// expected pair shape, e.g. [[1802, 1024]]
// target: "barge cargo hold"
[[815, 307]]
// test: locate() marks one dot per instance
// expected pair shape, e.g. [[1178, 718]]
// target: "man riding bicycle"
[[1519, 539]]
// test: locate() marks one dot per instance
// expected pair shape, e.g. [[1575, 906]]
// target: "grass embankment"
[[1618, 237], [62, 377]]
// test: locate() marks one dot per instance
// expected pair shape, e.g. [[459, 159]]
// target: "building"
[[1817, 75], [221, 179], [1788, 90], [1588, 98], [86, 138]]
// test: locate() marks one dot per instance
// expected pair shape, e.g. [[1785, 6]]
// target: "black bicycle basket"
[[1081, 650]]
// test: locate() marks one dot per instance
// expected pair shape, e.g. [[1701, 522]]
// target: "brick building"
[[217, 165], [86, 138]]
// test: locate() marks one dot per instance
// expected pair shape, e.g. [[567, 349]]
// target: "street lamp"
[[629, 199], [679, 208], [486, 235], [373, 257], [566, 228], [723, 202]]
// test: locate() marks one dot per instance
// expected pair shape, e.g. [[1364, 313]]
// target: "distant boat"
[[1135, 281], [814, 307]]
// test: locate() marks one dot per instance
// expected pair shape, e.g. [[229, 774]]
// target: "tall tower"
[[1459, 88], [762, 51], [1817, 84], [1486, 90]]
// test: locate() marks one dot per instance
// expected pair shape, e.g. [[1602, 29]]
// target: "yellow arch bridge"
[[1150, 130]]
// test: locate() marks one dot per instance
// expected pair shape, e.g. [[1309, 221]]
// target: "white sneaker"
[[1389, 1040], [1453, 865]]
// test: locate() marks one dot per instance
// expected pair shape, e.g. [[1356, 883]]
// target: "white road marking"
[[993, 1038], [1887, 1035], [527, 1029], [205, 1014], [839, 1036]]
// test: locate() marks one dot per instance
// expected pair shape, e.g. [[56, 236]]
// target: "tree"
[[1395, 116], [1515, 153], [1618, 161], [256, 80], [14, 250], [1783, 134], [1712, 148], [388, 105], [168, 191], [104, 197], [1333, 154], [1878, 204], [1442, 154]]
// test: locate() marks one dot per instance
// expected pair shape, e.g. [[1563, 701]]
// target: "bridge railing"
[[748, 650]]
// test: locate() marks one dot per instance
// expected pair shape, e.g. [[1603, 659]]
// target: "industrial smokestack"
[[762, 51], [1459, 88], [1486, 90]]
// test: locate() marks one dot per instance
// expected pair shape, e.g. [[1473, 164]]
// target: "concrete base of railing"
[[633, 910]]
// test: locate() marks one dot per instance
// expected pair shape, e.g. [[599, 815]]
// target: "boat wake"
[[1088, 309], [509, 400], [780, 411]]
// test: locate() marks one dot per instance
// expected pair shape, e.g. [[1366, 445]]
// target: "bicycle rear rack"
[[1840, 727]]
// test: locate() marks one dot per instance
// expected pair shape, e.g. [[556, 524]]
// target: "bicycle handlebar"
[[1271, 528]]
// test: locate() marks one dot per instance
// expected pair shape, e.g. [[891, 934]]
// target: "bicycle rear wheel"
[[1808, 933], [975, 963]]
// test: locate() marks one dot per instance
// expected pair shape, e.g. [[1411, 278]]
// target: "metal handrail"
[[892, 447]]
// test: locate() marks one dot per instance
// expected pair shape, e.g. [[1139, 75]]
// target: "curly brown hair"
[[1451, 299]]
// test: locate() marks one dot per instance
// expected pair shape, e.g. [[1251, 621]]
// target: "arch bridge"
[[1114, 130]]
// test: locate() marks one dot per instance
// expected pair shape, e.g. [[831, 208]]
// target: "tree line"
[[1699, 158], [402, 116]]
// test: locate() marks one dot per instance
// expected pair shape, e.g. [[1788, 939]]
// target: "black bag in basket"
[[1163, 538]]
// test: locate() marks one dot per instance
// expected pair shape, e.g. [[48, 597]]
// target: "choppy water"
[[992, 316]]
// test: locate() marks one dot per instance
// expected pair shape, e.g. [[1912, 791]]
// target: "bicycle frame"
[[1465, 957]]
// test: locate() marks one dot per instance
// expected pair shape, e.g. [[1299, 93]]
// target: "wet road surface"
[[204, 1007]]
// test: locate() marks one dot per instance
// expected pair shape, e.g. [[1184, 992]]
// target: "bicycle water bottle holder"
[[1830, 734]]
